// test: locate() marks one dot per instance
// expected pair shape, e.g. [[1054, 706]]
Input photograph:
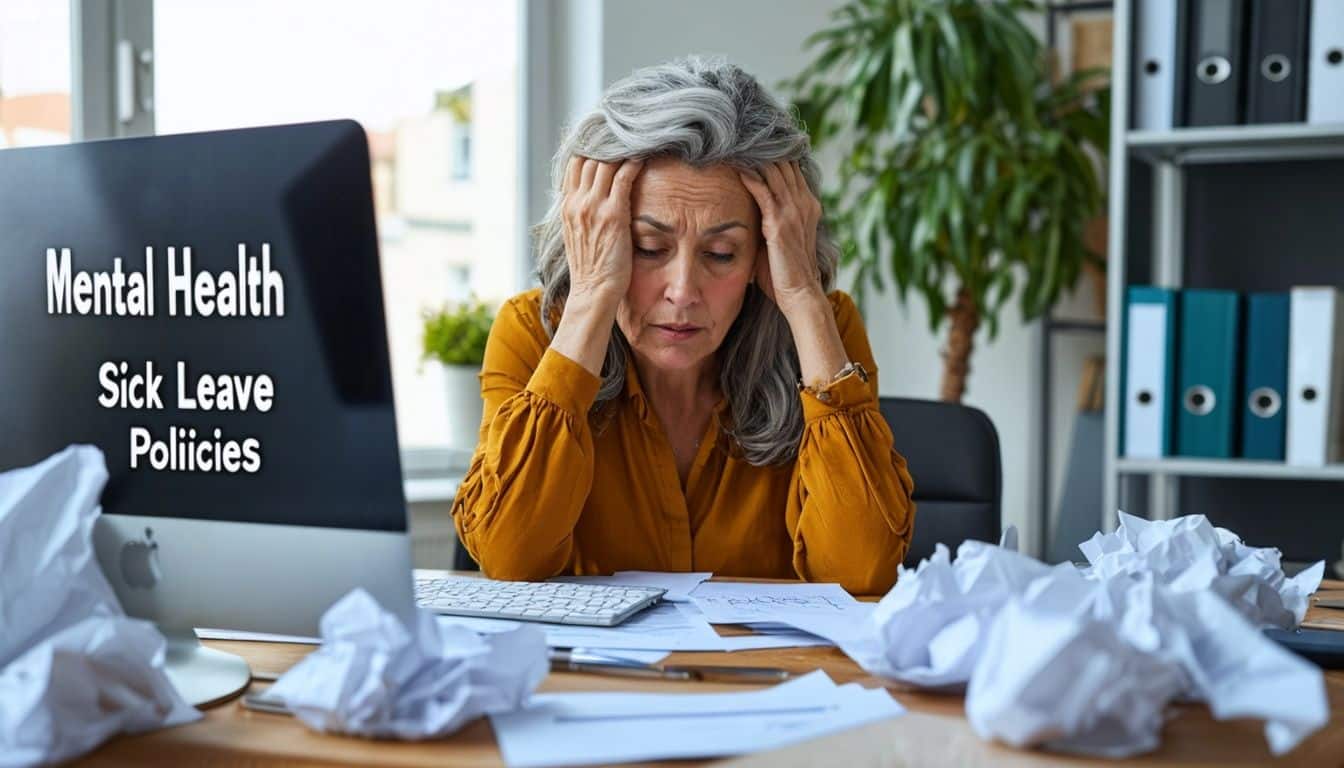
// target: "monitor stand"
[[203, 676]]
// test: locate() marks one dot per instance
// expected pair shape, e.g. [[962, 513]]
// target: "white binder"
[[1155, 66], [1325, 68], [1147, 409], [1315, 375]]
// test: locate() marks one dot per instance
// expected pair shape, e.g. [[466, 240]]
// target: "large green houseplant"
[[965, 172]]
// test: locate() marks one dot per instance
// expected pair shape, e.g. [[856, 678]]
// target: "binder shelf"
[[1239, 468], [1153, 235], [1238, 143]]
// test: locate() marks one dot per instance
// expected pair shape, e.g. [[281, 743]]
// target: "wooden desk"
[[934, 733]]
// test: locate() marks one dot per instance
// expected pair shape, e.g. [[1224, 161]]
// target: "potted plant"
[[455, 336], [966, 172]]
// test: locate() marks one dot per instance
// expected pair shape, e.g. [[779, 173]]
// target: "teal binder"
[[1264, 404], [1208, 401]]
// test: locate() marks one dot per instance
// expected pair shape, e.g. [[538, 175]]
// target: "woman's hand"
[[596, 218], [789, 274], [790, 214]]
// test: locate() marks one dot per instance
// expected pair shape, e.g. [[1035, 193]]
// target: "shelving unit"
[[1237, 143], [1051, 326], [1245, 468], [1174, 256]]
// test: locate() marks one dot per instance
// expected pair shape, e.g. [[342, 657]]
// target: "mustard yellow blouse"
[[551, 490]]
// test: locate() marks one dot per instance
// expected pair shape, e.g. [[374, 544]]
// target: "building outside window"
[[435, 85], [34, 73]]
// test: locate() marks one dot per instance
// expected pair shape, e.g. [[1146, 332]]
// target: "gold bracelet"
[[820, 392]]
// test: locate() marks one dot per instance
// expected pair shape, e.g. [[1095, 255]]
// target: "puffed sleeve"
[[850, 512], [530, 475]]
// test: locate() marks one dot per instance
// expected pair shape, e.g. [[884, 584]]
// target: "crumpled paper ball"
[[1087, 660], [1088, 665], [1190, 553], [74, 669], [375, 677], [929, 629]]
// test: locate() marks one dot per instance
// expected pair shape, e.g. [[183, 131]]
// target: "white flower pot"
[[463, 388]]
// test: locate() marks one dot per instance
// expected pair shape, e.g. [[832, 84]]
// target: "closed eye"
[[648, 253], [722, 258]]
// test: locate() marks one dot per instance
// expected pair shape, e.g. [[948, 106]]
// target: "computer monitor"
[[208, 310]]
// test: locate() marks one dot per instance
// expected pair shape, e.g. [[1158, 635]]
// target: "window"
[[34, 73], [458, 104], [435, 85]]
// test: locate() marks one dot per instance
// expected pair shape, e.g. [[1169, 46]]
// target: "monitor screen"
[[208, 310]]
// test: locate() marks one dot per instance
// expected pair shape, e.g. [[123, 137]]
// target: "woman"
[[682, 393]]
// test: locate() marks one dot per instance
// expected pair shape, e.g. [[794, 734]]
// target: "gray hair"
[[704, 112]]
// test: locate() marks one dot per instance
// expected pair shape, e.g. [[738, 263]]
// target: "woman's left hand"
[[790, 214]]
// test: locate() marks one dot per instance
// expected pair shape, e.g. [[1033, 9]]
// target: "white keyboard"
[[598, 605]]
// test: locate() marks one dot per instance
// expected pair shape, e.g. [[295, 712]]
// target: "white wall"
[[765, 38]]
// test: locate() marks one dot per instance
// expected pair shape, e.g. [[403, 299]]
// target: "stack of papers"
[[665, 627], [678, 624], [589, 728], [681, 625]]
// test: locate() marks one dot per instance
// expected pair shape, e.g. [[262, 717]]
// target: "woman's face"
[[695, 233]]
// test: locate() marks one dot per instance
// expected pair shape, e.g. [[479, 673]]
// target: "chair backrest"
[[953, 454]]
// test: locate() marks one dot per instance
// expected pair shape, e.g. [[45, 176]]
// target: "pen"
[[632, 669], [566, 661], [730, 674]]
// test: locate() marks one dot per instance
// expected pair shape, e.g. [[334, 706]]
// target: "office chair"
[[462, 559], [953, 454]]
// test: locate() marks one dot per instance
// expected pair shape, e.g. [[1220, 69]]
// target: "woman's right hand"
[[596, 218]]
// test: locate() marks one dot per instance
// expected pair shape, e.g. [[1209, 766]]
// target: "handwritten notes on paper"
[[747, 603]]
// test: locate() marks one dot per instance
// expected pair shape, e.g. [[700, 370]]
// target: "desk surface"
[[934, 733]]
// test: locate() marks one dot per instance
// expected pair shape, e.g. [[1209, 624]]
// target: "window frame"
[[112, 93]]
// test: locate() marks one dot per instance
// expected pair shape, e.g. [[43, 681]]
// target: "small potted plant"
[[455, 336]]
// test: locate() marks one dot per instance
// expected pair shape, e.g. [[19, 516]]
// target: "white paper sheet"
[[661, 628], [74, 669], [741, 603], [665, 627], [792, 639], [768, 635], [623, 654], [617, 654], [590, 728], [679, 586], [377, 678], [848, 630]]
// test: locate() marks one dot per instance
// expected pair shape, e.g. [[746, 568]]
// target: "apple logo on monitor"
[[140, 562]]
